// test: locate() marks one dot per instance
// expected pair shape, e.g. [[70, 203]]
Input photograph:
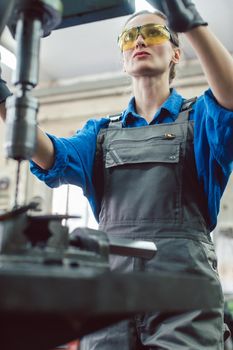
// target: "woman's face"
[[145, 60]]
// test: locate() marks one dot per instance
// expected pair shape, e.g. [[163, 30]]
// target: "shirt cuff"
[[53, 177]]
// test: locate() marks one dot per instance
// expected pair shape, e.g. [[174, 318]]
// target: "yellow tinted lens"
[[155, 34], [127, 39]]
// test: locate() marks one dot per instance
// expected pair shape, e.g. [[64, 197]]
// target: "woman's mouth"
[[141, 54]]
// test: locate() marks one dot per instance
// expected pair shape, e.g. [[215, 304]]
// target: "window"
[[69, 199]]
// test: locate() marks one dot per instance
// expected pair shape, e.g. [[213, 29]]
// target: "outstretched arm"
[[216, 61]]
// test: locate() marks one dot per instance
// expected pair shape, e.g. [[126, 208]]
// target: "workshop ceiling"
[[92, 48]]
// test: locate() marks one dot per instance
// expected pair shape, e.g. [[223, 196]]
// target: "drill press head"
[[31, 20], [49, 12]]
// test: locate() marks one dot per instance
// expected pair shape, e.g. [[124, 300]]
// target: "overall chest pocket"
[[143, 180]]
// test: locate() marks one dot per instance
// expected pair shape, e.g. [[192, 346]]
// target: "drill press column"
[[33, 19], [22, 108]]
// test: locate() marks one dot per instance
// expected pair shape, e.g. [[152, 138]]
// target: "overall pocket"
[[143, 180]]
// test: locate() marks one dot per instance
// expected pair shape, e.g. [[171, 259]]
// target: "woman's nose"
[[139, 42]]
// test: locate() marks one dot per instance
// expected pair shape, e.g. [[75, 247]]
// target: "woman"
[[158, 172]]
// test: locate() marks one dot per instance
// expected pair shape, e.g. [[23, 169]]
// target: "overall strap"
[[115, 121], [185, 110], [98, 169]]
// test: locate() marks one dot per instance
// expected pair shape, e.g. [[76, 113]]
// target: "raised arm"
[[217, 64], [216, 61]]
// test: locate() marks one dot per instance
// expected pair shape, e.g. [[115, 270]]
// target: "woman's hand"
[[182, 15]]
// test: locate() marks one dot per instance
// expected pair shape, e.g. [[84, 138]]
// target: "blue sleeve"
[[74, 157], [214, 131], [213, 145]]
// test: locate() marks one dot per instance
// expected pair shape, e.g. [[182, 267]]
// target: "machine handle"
[[135, 248]]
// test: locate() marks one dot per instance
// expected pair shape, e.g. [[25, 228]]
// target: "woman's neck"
[[149, 94]]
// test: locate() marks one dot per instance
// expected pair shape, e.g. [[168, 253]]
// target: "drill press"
[[31, 20]]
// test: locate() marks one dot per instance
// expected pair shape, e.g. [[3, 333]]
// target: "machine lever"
[[135, 248]]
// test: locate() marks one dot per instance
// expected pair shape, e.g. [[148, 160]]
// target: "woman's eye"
[[129, 36], [152, 32]]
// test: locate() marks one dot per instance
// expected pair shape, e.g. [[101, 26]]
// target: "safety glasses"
[[153, 34]]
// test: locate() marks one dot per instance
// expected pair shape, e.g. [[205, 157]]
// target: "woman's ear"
[[176, 55]]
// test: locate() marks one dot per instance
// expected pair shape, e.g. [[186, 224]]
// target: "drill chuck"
[[21, 127]]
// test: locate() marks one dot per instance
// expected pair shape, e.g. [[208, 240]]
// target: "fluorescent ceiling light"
[[8, 58], [143, 5]]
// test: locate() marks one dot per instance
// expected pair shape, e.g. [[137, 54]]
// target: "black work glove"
[[4, 91], [182, 15]]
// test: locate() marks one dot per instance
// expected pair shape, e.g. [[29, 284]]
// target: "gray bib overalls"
[[150, 190]]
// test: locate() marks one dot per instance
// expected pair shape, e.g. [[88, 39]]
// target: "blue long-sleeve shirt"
[[213, 147]]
